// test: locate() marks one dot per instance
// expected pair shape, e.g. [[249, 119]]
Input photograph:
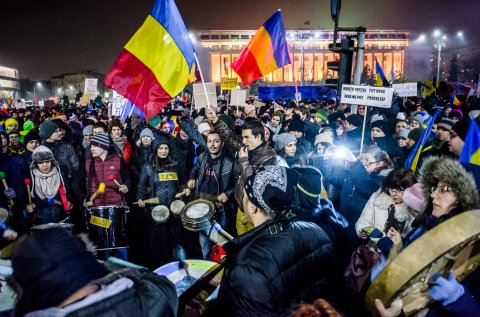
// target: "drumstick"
[[219, 229], [2, 177], [153, 200], [100, 190], [27, 182], [112, 179], [181, 194]]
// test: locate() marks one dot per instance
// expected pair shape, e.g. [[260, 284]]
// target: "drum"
[[107, 226], [176, 207], [66, 226], [197, 215], [160, 213], [196, 268], [4, 215]]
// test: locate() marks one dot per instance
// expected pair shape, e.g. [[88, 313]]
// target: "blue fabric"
[[288, 92]]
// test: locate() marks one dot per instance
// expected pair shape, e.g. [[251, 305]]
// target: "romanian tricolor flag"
[[156, 63], [266, 51], [454, 101], [381, 79], [412, 158], [471, 148]]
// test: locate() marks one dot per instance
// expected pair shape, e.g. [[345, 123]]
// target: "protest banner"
[[367, 95], [405, 89], [238, 97], [201, 99], [90, 86], [228, 83]]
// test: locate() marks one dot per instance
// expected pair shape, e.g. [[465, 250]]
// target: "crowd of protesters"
[[293, 184]]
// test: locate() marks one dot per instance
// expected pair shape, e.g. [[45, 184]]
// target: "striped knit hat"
[[101, 140]]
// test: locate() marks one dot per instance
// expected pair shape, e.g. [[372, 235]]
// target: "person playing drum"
[[161, 177], [50, 197]]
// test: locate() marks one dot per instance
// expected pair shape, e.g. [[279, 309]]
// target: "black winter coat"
[[165, 190], [274, 267], [183, 153]]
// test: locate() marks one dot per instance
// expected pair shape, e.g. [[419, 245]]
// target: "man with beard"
[[215, 174], [301, 253]]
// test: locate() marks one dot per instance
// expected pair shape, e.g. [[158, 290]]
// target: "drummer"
[[50, 198]]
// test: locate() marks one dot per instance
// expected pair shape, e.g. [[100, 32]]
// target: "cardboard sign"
[[406, 89], [201, 99], [367, 95], [229, 83], [118, 106], [238, 97], [91, 86]]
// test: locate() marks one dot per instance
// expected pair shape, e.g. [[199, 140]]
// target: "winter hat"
[[282, 140], [88, 129], [147, 132], [10, 121], [355, 120], [101, 140], [376, 117], [401, 116], [50, 266], [154, 121], [426, 118], [311, 180], [415, 134], [413, 198], [278, 114], [272, 188], [382, 125], [456, 113], [461, 128], [28, 125], [228, 120], [446, 124], [322, 114], [418, 118], [248, 108], [324, 137], [296, 125], [404, 133], [47, 129], [42, 154], [204, 126], [30, 136]]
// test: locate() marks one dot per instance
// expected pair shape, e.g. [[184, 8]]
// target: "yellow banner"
[[163, 177], [97, 221], [229, 83]]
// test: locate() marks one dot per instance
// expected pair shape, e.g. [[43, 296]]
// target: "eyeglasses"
[[443, 189]]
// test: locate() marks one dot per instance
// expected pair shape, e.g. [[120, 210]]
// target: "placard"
[[238, 97], [229, 83], [199, 95], [91, 86], [118, 106], [367, 95], [406, 89]]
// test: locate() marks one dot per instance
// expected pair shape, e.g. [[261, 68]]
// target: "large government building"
[[307, 47], [9, 81]]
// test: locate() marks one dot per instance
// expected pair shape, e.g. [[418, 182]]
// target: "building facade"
[[72, 83], [309, 54], [9, 82]]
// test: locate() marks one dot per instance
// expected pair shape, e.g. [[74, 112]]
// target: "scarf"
[[119, 141], [46, 185]]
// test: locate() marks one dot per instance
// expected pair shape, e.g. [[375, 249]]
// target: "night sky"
[[44, 38]]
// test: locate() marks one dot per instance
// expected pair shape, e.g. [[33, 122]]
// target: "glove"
[[10, 193], [446, 291]]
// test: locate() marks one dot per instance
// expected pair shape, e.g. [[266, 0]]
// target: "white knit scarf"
[[46, 185]]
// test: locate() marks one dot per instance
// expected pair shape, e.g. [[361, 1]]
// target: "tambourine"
[[160, 213], [176, 207], [453, 244], [197, 215]]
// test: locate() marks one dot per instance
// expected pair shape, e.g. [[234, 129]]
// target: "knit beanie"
[[228, 120], [426, 118], [248, 108], [278, 113], [88, 129], [461, 128], [154, 121], [413, 198], [415, 134], [28, 125], [282, 140], [204, 126], [322, 114], [10, 121], [380, 124], [30, 136], [47, 129], [418, 118], [311, 180], [401, 116], [376, 117], [50, 266], [147, 132], [404, 133], [42, 154], [101, 140], [296, 125], [355, 120], [446, 124], [456, 113]]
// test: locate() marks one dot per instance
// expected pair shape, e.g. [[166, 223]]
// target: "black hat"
[[47, 129], [296, 125], [461, 128], [355, 120], [415, 134], [51, 265], [272, 189], [30, 136], [382, 125], [311, 180]]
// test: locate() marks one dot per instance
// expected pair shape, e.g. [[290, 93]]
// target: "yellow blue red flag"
[[471, 148]]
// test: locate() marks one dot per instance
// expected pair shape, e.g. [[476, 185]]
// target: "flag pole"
[[203, 82], [363, 129]]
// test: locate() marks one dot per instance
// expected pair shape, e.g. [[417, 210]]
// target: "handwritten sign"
[[406, 89], [367, 95]]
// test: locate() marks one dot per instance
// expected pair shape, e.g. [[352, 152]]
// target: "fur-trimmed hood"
[[435, 169]]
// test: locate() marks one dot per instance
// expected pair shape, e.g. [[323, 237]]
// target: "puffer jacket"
[[303, 259], [163, 183], [375, 214], [66, 157]]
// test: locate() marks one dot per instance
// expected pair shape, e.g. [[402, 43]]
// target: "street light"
[[39, 85], [438, 44]]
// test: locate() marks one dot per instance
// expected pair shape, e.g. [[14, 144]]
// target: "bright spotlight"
[[437, 33], [422, 37], [444, 37], [460, 34]]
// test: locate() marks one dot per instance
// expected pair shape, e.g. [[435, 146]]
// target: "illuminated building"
[[9, 81], [222, 47]]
